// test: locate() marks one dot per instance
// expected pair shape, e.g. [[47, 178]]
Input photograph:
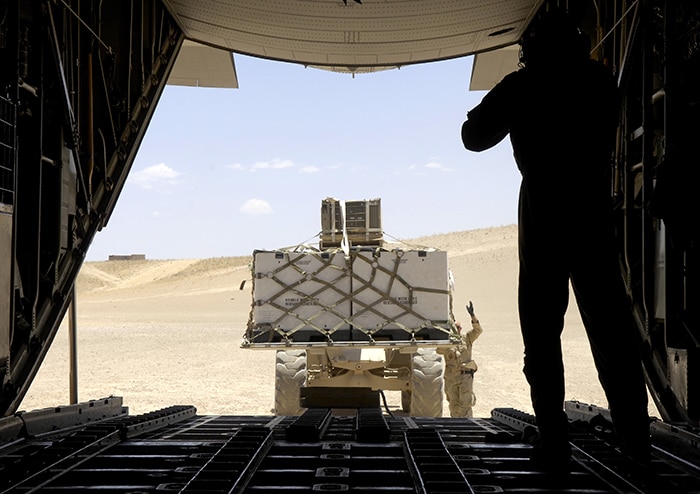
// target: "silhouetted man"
[[561, 111]]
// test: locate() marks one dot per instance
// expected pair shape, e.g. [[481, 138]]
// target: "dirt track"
[[167, 332]]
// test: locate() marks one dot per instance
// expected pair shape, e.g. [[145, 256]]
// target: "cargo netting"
[[358, 295]]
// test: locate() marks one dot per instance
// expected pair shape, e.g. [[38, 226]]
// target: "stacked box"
[[361, 221], [400, 289], [370, 294], [294, 291]]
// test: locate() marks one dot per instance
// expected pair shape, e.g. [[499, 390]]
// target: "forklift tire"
[[290, 374], [426, 384]]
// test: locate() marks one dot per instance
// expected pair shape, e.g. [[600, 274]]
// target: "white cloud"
[[256, 206], [275, 164], [236, 166], [430, 166], [282, 163], [434, 165], [310, 169], [153, 176]]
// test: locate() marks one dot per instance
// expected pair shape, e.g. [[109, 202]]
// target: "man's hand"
[[470, 308]]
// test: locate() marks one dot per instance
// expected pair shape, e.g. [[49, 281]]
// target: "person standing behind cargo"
[[460, 369], [561, 111]]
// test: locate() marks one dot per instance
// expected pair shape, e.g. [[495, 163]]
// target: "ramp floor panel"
[[362, 452]]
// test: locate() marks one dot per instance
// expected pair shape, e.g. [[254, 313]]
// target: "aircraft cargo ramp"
[[364, 451], [81, 82]]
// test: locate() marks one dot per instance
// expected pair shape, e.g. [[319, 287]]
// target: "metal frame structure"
[[83, 79], [79, 84]]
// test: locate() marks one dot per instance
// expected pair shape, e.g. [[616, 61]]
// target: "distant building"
[[131, 257]]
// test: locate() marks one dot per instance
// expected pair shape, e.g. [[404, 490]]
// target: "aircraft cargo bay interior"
[[81, 81]]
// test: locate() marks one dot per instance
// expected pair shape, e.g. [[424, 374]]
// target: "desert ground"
[[168, 332]]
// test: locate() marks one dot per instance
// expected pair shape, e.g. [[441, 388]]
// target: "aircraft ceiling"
[[354, 37]]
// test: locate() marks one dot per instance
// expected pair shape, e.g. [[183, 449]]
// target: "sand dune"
[[164, 332]]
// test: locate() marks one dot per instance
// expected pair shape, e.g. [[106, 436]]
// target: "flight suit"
[[561, 117], [459, 373]]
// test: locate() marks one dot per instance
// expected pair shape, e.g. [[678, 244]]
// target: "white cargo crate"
[[362, 295], [400, 289], [293, 291]]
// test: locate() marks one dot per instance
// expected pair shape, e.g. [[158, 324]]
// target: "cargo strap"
[[358, 285], [345, 243]]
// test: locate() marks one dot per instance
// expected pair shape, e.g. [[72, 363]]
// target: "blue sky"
[[222, 172]]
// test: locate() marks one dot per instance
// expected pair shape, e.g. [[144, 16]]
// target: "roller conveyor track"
[[363, 451]]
